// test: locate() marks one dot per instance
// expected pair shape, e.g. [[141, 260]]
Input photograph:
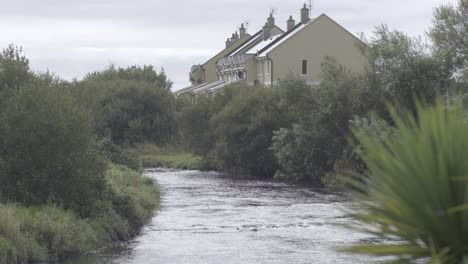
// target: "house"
[[204, 74], [272, 54]]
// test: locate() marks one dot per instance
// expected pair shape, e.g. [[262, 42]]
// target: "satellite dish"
[[240, 75]]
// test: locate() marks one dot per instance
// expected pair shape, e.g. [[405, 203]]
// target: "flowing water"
[[206, 218]]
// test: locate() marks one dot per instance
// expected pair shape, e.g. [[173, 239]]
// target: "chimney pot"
[[290, 23], [268, 27], [305, 15], [242, 30]]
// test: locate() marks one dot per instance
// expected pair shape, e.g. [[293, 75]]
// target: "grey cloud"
[[73, 37]]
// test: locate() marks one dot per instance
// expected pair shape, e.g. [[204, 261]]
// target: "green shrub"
[[243, 132], [107, 224], [417, 187], [16, 246], [134, 197], [60, 231], [121, 155], [50, 233], [134, 111], [48, 150]]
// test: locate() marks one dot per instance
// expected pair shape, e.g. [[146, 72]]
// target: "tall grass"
[[50, 233], [417, 189], [154, 156]]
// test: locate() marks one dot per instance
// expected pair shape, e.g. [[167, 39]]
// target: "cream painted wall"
[[250, 68], [322, 37]]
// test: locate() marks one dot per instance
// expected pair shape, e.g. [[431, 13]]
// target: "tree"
[[309, 149], [14, 69], [48, 151], [136, 111], [194, 125], [243, 132], [450, 36], [147, 73], [403, 69]]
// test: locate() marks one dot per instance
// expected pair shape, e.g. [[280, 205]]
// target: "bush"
[[48, 150], [133, 196], [15, 245], [243, 132], [137, 112], [417, 187], [37, 234], [121, 155], [60, 231]]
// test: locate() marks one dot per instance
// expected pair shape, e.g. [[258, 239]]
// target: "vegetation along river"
[[206, 218]]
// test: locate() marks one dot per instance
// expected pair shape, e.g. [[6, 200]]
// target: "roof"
[[188, 89], [262, 44], [282, 38], [293, 31], [222, 85], [205, 87], [246, 43]]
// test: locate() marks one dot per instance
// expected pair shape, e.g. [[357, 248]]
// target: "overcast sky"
[[73, 37]]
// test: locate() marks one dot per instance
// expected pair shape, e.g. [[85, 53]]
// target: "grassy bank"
[[154, 156], [50, 233]]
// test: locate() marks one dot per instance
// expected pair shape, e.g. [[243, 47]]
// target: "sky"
[[74, 37]]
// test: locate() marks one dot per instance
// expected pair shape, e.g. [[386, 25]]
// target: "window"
[[259, 68], [304, 67]]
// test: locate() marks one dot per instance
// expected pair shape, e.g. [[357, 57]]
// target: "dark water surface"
[[209, 219]]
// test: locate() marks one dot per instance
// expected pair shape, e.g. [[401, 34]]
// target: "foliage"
[[134, 197], [350, 165], [243, 132], [14, 69], [403, 69], [193, 121], [310, 147], [120, 155], [50, 233], [417, 186], [449, 35], [146, 74], [15, 246], [130, 111], [48, 151]]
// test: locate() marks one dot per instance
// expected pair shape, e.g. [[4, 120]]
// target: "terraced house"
[[272, 54]]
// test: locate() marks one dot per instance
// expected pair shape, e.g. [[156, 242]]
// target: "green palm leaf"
[[414, 190]]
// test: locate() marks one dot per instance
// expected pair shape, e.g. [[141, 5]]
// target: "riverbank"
[[152, 156], [51, 233]]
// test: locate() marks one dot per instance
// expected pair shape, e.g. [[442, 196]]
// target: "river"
[[205, 218]]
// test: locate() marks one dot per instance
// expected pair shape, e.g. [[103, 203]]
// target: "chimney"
[[268, 27], [271, 21], [242, 30], [266, 31], [234, 37], [228, 42], [291, 23], [305, 15]]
